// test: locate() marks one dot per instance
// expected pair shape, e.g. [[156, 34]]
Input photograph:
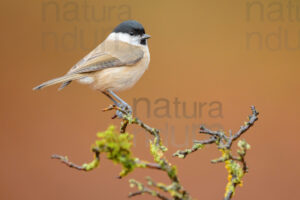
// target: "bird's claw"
[[124, 109], [121, 110]]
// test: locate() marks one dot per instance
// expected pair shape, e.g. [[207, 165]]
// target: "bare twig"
[[245, 127], [211, 140], [84, 167], [65, 160]]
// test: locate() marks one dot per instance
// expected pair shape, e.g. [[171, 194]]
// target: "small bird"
[[116, 64]]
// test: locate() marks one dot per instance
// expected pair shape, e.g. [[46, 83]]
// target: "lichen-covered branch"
[[197, 145], [224, 143], [129, 119], [116, 145], [157, 149], [144, 190], [117, 148]]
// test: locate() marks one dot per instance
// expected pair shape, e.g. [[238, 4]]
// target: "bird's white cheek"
[[124, 37]]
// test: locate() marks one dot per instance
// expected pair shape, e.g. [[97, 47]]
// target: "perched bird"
[[115, 64]]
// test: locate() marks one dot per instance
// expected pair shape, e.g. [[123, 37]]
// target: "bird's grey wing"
[[94, 61], [107, 55]]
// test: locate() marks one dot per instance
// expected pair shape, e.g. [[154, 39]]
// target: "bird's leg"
[[124, 106], [111, 98], [119, 114]]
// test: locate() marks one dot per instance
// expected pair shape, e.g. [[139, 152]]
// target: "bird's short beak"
[[146, 36]]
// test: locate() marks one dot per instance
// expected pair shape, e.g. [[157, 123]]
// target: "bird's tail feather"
[[64, 84], [67, 78]]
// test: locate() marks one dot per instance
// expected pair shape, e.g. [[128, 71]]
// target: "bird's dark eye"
[[131, 33]]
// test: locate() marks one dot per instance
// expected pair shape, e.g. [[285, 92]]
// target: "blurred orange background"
[[236, 53]]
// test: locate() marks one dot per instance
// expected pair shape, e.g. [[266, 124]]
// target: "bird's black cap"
[[131, 27]]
